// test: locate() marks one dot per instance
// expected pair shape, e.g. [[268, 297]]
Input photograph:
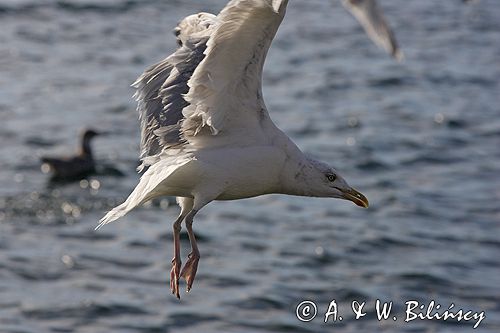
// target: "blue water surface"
[[421, 139]]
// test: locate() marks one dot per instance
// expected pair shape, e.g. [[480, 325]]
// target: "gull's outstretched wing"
[[225, 90], [161, 87], [371, 18]]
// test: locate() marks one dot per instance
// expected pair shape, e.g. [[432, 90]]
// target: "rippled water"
[[421, 139]]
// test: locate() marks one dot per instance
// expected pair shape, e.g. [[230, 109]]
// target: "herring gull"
[[205, 131]]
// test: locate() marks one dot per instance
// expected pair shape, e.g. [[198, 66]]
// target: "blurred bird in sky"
[[371, 18]]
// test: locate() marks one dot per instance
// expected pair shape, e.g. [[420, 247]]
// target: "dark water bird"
[[76, 166], [205, 130]]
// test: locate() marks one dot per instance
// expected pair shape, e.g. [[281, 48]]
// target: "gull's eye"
[[331, 177]]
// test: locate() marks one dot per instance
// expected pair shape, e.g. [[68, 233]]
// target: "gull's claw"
[[189, 269], [174, 277]]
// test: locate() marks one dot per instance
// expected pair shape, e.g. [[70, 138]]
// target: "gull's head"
[[325, 181]]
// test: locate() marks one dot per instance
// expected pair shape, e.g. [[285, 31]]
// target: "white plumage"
[[206, 133]]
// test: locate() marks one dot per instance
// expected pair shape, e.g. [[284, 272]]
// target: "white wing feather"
[[226, 90]]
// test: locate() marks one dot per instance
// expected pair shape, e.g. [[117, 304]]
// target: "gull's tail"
[[114, 214], [139, 195], [147, 187]]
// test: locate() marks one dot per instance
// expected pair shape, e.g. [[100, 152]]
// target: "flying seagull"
[[205, 131], [72, 167], [372, 20]]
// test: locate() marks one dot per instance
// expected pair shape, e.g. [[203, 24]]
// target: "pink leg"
[[189, 269], [176, 261]]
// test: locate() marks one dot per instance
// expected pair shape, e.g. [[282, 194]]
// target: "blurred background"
[[421, 139]]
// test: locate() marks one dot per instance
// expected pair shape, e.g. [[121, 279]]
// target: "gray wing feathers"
[[150, 105], [161, 88]]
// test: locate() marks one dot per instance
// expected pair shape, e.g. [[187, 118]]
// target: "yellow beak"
[[356, 197]]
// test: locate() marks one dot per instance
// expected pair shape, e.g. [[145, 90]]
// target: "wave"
[[104, 6]]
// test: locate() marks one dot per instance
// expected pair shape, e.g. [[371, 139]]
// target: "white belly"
[[245, 172], [228, 173]]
